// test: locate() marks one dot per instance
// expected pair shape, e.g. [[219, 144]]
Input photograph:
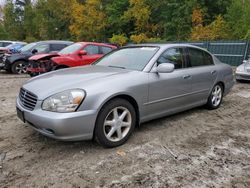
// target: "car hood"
[[71, 78], [42, 56]]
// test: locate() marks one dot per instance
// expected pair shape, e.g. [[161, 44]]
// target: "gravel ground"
[[197, 148]]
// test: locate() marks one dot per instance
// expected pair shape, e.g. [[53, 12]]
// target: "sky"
[[2, 2]]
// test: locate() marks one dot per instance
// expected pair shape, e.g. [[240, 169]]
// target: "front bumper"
[[61, 126], [5, 64], [242, 76]]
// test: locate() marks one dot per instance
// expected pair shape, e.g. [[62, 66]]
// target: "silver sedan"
[[125, 88], [243, 71]]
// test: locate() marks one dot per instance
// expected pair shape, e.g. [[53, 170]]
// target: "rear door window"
[[57, 47], [92, 49], [199, 57], [105, 49], [208, 59]]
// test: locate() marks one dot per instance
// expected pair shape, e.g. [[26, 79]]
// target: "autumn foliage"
[[123, 21]]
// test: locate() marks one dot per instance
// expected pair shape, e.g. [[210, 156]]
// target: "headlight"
[[240, 69], [66, 101]]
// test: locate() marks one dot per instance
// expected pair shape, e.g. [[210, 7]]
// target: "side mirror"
[[34, 51], [82, 52], [165, 68], [245, 61]]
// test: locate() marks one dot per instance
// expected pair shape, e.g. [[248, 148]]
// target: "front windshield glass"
[[134, 58], [28, 47], [71, 49]]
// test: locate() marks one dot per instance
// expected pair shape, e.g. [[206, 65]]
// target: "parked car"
[[4, 43], [12, 48], [126, 87], [78, 54], [17, 63], [243, 71]]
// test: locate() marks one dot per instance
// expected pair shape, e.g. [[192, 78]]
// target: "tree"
[[214, 31], [121, 40], [88, 20], [238, 19], [52, 19], [116, 25]]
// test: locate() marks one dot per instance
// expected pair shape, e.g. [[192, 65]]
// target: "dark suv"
[[17, 63]]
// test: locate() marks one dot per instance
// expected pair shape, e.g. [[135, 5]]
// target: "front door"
[[169, 92], [93, 53]]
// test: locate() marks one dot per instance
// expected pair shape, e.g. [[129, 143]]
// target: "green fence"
[[230, 52]]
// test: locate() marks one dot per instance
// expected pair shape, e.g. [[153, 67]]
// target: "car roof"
[[55, 42], [97, 43], [165, 45]]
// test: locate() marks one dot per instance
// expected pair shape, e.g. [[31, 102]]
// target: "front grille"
[[27, 99]]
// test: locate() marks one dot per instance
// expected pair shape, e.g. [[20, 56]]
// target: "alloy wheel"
[[21, 68], [117, 124], [216, 95]]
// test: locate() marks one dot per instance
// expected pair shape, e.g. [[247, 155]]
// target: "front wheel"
[[115, 123], [19, 67], [215, 98]]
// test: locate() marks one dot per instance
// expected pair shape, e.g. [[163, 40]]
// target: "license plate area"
[[20, 114]]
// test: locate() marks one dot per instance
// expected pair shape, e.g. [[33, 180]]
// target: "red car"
[[77, 54]]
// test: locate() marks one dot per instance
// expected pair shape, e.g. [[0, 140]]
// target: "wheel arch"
[[128, 98], [25, 60]]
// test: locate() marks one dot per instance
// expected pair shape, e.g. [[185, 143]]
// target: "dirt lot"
[[198, 148]]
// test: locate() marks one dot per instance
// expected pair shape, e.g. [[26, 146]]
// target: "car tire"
[[215, 97], [115, 123], [8, 70], [19, 67]]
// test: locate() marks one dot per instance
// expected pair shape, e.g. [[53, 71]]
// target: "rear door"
[[203, 73], [169, 92]]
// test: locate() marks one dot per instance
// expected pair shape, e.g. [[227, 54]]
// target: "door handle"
[[213, 72], [186, 76]]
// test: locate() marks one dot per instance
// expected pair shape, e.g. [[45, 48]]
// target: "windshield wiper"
[[116, 67]]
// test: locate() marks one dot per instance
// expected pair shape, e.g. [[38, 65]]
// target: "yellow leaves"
[[121, 40], [87, 20], [214, 31], [140, 12], [140, 38], [197, 17]]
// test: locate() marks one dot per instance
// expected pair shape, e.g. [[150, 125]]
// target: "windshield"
[[71, 49], [28, 47], [134, 58]]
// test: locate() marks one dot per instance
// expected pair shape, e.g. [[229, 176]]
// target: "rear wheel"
[[115, 123], [215, 98], [19, 67]]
